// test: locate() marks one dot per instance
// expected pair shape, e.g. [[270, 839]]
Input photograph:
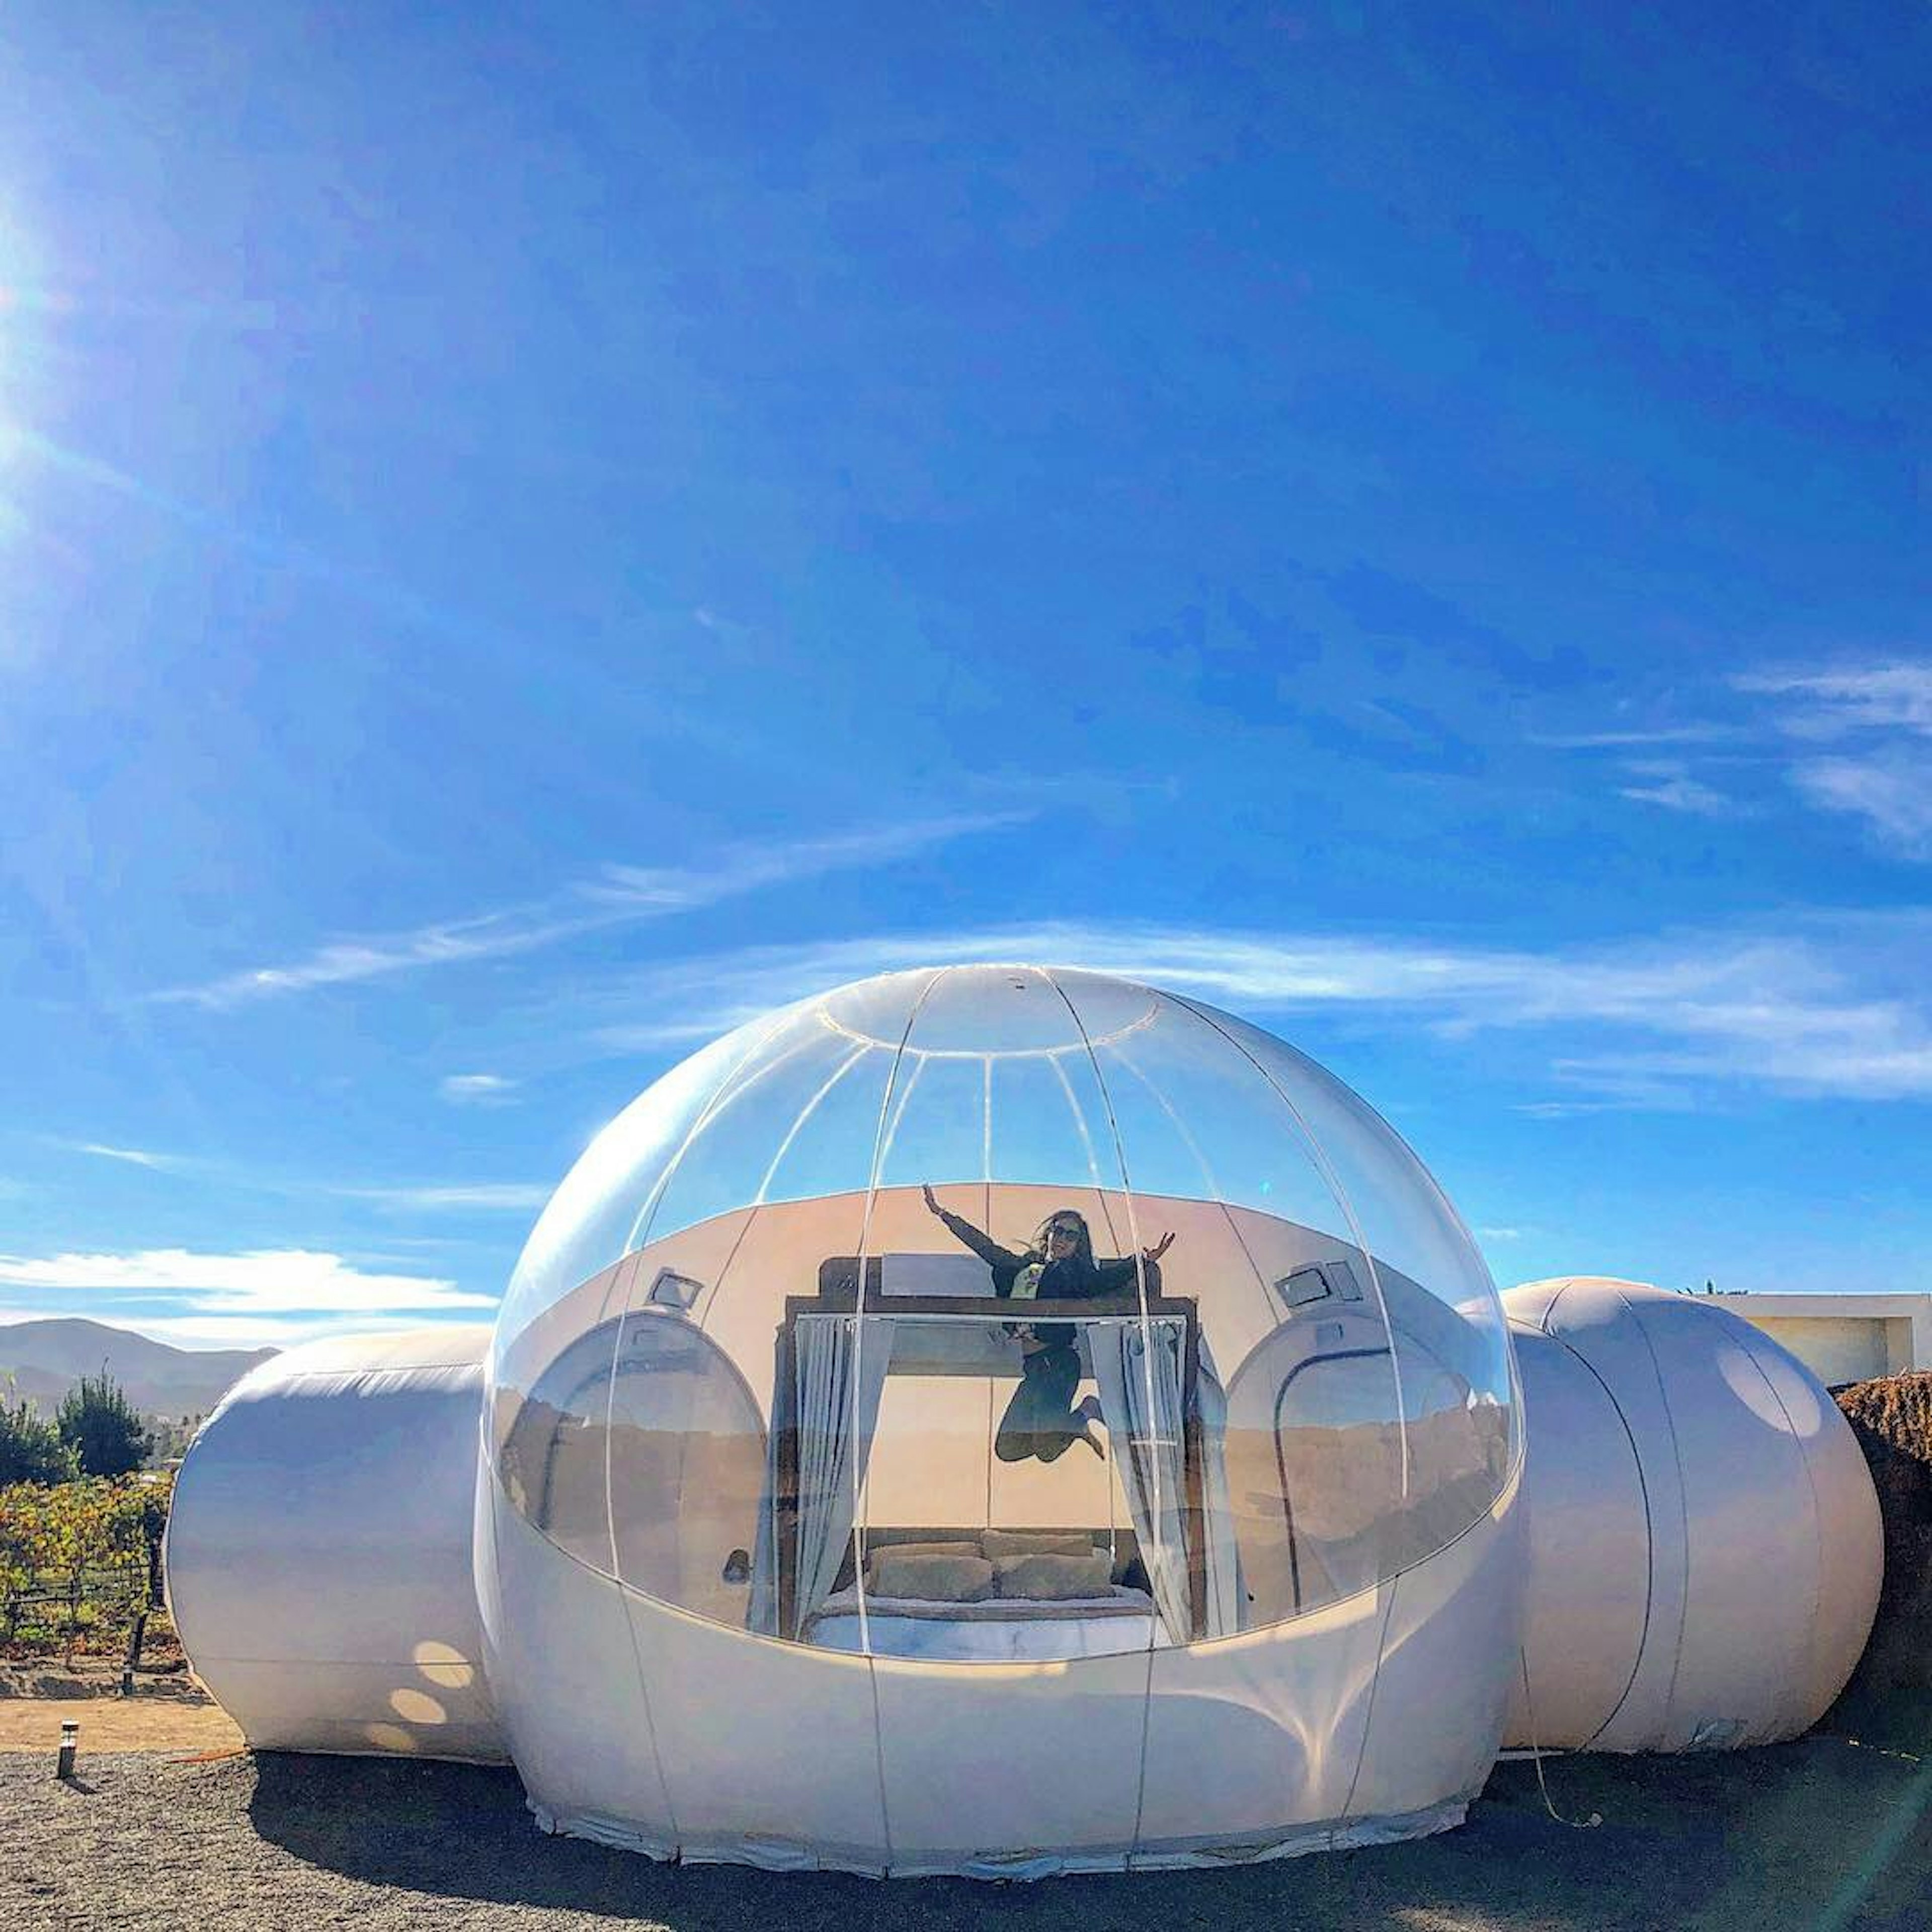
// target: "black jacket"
[[1069, 1280]]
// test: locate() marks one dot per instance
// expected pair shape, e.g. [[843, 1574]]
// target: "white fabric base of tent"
[[1003, 1630], [772, 1854], [653, 1728]]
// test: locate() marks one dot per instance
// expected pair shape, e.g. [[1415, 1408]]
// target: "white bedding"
[[1002, 1630]]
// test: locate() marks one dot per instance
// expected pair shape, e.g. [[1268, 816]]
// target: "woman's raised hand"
[[933, 1206], [1159, 1248]]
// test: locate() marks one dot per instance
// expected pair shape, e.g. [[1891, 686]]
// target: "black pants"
[[1040, 1420]]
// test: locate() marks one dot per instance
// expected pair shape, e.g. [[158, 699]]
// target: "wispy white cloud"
[[1668, 782], [1796, 1010], [1662, 734], [487, 936], [641, 890], [1879, 714], [617, 895], [1890, 791], [271, 1282], [729, 630], [432, 1197], [477, 1090], [1895, 695], [1876, 714], [1564, 1110], [486, 1197], [157, 1163]]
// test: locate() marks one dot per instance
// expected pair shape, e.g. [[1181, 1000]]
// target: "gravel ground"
[[1821, 1833]]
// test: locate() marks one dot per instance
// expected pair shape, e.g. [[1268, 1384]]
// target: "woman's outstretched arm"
[[1123, 1273], [982, 1243]]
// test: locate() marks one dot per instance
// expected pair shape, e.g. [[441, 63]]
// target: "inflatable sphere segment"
[[989, 1420], [1706, 1550]]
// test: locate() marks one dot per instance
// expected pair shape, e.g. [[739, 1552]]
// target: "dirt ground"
[[1821, 1833], [33, 1724]]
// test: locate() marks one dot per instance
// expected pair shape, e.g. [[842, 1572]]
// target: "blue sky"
[[528, 535]]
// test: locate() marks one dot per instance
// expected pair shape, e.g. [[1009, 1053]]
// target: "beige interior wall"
[[942, 1472], [1225, 1257], [751, 1260], [936, 1476]]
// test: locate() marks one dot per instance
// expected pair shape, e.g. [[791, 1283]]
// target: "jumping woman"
[[1042, 1419]]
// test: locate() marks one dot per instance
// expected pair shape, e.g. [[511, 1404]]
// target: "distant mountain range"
[[45, 1359]]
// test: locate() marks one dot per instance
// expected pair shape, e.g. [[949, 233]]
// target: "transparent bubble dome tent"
[[829, 1521], [1006, 1421]]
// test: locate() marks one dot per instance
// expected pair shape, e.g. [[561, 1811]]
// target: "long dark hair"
[[1083, 1245]]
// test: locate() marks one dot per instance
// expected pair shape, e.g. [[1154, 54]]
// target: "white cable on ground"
[[1535, 1751]]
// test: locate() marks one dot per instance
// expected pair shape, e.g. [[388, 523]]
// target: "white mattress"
[[1002, 1630]]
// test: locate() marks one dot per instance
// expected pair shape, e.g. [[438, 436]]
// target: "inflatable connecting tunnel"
[[1004, 1421]]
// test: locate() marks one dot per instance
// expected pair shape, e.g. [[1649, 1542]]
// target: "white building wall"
[[1843, 1338], [1848, 1349]]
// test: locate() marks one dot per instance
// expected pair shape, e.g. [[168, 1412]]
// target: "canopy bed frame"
[[947, 1334]]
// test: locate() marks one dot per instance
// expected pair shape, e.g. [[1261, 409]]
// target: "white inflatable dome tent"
[[813, 1527]]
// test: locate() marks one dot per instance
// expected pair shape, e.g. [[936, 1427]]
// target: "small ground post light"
[[70, 1743]]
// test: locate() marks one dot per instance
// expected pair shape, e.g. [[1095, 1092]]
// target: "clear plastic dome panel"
[[1000, 1314], [589, 1221], [1397, 1210]]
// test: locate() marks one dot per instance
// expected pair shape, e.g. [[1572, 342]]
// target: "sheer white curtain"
[[1217, 1506], [842, 1375], [1139, 1374]]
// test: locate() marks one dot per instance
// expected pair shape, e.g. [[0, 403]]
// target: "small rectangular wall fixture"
[[671, 1290], [1320, 1281]]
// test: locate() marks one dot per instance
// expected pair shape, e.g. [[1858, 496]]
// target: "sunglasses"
[[1064, 1230]]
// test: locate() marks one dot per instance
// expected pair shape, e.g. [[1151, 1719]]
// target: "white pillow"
[[998, 1543], [960, 1548], [1048, 1579], [931, 1580]]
